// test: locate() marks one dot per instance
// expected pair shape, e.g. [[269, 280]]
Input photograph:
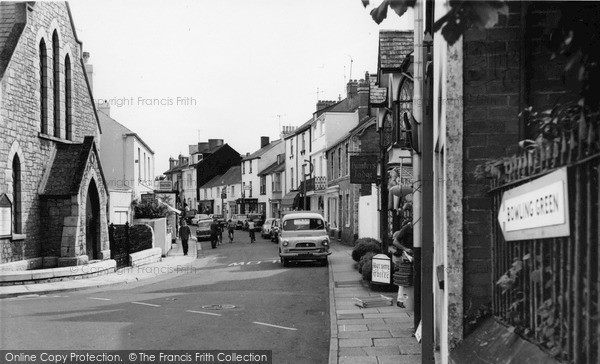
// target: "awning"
[[288, 199], [178, 212]]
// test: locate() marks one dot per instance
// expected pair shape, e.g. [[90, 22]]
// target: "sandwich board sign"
[[537, 209], [381, 269]]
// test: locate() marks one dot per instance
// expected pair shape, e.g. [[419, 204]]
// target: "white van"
[[303, 236]]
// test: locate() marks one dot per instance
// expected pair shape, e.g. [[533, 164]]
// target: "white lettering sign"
[[537, 209], [381, 269], [542, 207]]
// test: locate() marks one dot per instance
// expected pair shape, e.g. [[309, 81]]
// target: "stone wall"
[[20, 114]]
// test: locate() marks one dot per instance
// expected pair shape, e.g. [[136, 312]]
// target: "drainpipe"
[[416, 157], [427, 312]]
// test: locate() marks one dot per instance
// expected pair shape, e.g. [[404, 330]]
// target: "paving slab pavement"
[[377, 335]]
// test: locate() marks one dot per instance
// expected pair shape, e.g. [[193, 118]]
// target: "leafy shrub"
[[367, 268], [363, 259], [365, 245], [149, 210]]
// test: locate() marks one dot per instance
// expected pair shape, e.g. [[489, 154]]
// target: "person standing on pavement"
[[214, 234], [251, 231], [184, 234], [230, 229]]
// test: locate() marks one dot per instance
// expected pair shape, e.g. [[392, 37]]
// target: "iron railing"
[[316, 184], [553, 302]]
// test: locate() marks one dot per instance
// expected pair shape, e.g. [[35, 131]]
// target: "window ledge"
[[17, 237], [55, 139]]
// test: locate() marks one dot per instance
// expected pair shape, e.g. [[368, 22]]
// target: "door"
[[92, 226]]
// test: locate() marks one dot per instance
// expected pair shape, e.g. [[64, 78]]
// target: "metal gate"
[[119, 244], [547, 289]]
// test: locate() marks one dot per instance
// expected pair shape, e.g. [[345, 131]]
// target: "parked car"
[[303, 236], [218, 218], [203, 229], [199, 217], [258, 221], [275, 229], [239, 219], [189, 215], [265, 231]]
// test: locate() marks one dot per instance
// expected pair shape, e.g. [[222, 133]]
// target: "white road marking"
[[204, 313], [145, 304], [99, 299], [279, 327]]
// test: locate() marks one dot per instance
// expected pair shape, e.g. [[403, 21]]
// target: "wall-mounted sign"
[[5, 216], [163, 185], [363, 169], [382, 269], [538, 209], [147, 197]]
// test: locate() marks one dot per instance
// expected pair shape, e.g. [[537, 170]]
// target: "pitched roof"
[[12, 23], [104, 117], [394, 45], [275, 167], [68, 168], [231, 177], [214, 182], [363, 124], [262, 150]]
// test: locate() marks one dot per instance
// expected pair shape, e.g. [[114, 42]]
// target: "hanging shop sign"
[[363, 169], [538, 209]]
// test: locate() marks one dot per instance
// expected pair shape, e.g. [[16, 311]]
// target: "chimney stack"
[[214, 143], [264, 141], [351, 89], [203, 147], [172, 162], [321, 104], [89, 70], [363, 91], [104, 106]]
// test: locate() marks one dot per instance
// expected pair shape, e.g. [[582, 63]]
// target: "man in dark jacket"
[[184, 234], [215, 229]]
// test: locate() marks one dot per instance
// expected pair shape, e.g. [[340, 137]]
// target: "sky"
[[178, 72]]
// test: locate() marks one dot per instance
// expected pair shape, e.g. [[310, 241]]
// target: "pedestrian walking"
[[184, 233], [214, 234], [251, 231], [230, 229]]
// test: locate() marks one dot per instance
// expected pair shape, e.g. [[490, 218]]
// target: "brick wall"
[[20, 114], [492, 79], [506, 69]]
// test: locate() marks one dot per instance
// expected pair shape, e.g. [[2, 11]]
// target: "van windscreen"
[[303, 224]]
